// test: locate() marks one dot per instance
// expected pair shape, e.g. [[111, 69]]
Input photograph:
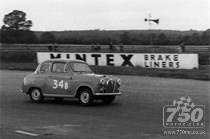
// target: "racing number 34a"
[[60, 84]]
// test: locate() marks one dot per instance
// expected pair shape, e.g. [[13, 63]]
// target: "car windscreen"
[[80, 67], [44, 67]]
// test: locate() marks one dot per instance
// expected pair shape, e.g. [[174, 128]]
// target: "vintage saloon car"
[[70, 78]]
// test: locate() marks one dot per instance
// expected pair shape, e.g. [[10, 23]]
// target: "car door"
[[59, 79]]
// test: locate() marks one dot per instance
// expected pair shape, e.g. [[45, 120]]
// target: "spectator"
[[121, 47], [96, 47], [50, 48], [182, 46], [111, 46], [55, 47]]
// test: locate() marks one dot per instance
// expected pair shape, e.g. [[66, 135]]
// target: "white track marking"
[[26, 133]]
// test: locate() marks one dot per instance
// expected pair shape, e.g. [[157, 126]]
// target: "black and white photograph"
[[104, 69]]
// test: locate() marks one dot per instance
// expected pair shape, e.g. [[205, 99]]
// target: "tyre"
[[85, 97], [108, 99], [36, 95]]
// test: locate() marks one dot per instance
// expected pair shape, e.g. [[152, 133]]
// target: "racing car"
[[61, 79]]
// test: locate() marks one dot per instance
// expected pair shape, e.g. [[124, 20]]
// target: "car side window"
[[45, 67], [59, 67]]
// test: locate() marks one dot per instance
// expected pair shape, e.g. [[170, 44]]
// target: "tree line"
[[16, 29], [126, 37]]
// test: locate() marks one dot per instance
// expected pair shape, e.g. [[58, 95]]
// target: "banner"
[[147, 60]]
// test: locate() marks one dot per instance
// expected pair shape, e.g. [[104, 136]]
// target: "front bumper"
[[108, 94]]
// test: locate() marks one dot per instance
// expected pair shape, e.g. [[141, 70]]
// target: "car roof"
[[63, 60]]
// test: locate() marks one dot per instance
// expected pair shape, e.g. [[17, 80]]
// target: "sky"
[[59, 15]]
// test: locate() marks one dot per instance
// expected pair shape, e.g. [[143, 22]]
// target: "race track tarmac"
[[138, 113]]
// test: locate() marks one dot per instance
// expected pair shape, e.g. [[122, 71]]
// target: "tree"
[[16, 28], [47, 37], [195, 39], [125, 38], [162, 39], [186, 39], [152, 38], [205, 37], [16, 20], [10, 36]]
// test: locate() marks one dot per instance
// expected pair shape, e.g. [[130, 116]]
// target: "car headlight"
[[119, 81], [102, 81], [24, 81]]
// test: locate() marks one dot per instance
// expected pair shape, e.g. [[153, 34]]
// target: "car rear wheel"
[[85, 97], [108, 99], [36, 95]]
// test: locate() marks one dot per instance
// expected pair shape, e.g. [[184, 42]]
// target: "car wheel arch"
[[31, 88], [82, 87]]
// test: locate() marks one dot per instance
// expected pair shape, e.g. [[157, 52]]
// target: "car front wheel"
[[108, 99], [85, 97], [36, 95]]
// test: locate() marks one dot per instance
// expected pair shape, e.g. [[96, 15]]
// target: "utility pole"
[[150, 20]]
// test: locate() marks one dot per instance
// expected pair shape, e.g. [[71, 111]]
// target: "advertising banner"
[[146, 60]]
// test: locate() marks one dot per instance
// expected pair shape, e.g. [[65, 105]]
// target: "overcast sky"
[[61, 15]]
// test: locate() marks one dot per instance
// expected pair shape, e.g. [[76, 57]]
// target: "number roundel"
[[60, 84]]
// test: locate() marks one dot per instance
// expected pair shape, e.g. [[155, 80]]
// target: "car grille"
[[111, 86]]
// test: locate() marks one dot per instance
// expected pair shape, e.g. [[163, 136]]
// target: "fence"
[[27, 52], [103, 48]]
